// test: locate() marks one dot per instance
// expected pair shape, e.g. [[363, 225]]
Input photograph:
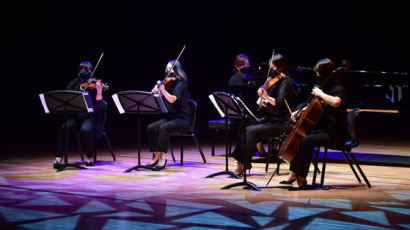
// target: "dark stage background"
[[46, 40]]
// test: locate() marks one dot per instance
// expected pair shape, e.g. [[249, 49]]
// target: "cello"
[[306, 122]]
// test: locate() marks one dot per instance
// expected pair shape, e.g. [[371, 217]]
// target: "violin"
[[92, 84], [271, 81], [170, 80]]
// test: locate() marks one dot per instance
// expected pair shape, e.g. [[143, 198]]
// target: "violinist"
[[174, 89], [276, 123], [331, 127], [84, 123]]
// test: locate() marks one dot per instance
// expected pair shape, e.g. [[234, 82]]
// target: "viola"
[[92, 84]]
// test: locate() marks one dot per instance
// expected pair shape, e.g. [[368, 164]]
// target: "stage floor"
[[35, 196]]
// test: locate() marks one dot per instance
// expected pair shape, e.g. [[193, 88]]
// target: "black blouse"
[[334, 120], [180, 108], [283, 89]]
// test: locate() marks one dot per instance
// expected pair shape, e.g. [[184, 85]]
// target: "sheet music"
[[212, 98], [88, 102], [118, 104], [43, 102]]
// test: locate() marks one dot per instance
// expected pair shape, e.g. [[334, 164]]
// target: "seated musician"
[[331, 127], [277, 122], [175, 93], [84, 123], [241, 84]]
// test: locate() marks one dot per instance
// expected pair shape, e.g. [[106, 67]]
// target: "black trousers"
[[254, 134], [301, 163], [158, 132], [86, 129]]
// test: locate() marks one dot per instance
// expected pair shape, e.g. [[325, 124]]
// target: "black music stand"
[[227, 108], [66, 102], [139, 102], [235, 108]]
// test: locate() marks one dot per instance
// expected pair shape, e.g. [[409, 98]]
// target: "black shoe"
[[89, 163], [161, 167], [287, 181], [153, 164], [57, 164]]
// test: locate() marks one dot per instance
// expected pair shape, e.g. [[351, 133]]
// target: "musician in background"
[[331, 127], [175, 94], [84, 123], [241, 85], [277, 122]]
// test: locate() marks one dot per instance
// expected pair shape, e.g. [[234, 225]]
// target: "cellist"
[[331, 127], [273, 98]]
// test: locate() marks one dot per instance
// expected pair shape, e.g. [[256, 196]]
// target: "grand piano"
[[371, 91]]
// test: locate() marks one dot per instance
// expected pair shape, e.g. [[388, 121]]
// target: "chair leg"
[[172, 150], [351, 166], [80, 147], [322, 180], [268, 157], [213, 147], [109, 146], [316, 160], [360, 170], [182, 151], [199, 148]]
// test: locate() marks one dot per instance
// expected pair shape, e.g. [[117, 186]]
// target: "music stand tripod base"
[[139, 102], [64, 166]]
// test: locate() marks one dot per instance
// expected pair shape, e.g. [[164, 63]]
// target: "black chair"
[[100, 120], [188, 133], [346, 149], [219, 127], [274, 147]]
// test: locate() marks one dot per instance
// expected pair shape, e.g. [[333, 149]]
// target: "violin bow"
[[273, 54], [92, 73], [173, 64]]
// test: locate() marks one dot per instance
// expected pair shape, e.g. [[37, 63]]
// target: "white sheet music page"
[[118, 104], [247, 109], [212, 98], [43, 102]]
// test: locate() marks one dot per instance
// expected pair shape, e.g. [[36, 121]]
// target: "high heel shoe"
[[57, 164], [152, 164], [301, 184], [290, 180], [158, 168]]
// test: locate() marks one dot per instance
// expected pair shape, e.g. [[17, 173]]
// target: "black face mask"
[[168, 73], [85, 75], [245, 69]]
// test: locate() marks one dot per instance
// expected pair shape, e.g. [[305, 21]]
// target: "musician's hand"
[[161, 86], [293, 116], [99, 87], [262, 93], [317, 92], [155, 89]]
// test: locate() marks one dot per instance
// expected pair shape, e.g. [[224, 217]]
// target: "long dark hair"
[[327, 68], [324, 67], [280, 62], [178, 69]]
